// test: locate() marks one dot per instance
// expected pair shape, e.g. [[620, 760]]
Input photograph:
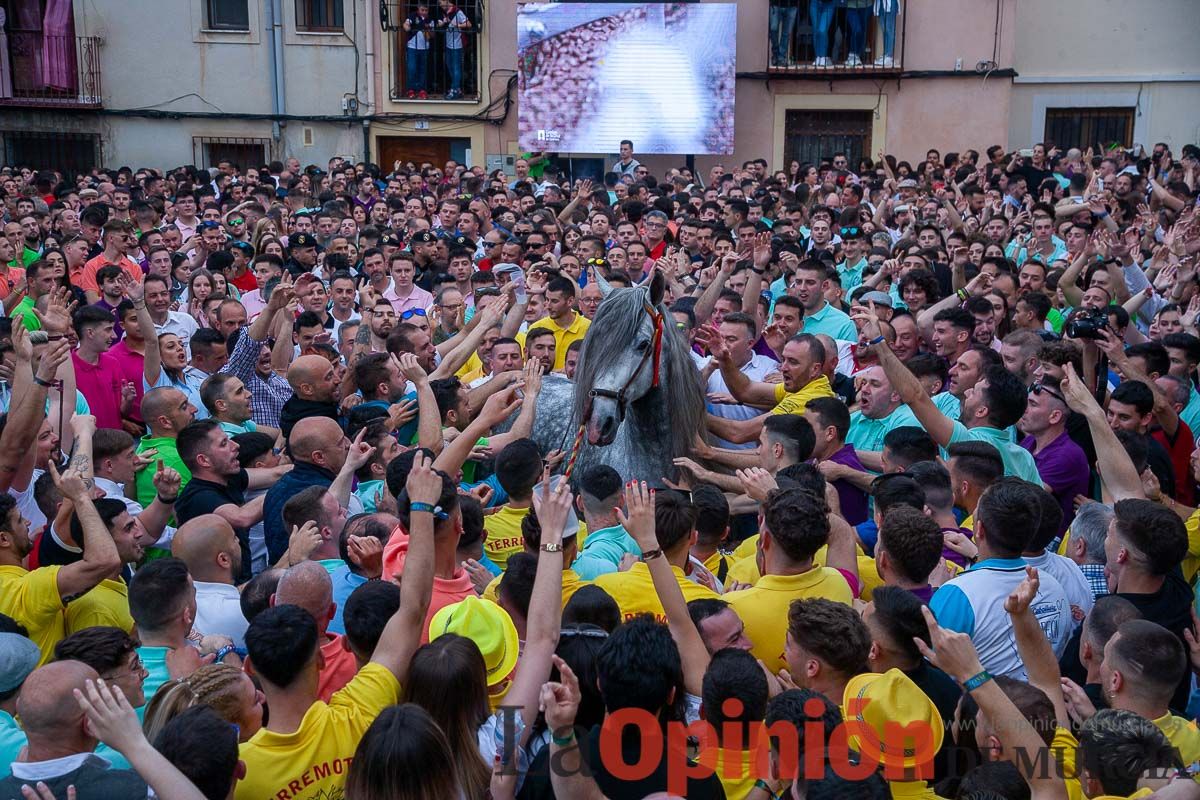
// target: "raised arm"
[[637, 517], [708, 298], [359, 453], [744, 390], [1164, 411], [1033, 646], [497, 409], [522, 427], [545, 603], [1118, 474], [100, 557], [454, 360], [429, 419], [1070, 279], [909, 387], [402, 635], [954, 654], [28, 406], [152, 364]]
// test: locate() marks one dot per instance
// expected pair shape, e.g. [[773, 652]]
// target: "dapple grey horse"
[[638, 394]]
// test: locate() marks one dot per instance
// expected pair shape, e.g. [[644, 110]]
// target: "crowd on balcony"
[[879, 479], [827, 21]]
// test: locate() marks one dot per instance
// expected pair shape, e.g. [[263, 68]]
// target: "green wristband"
[[975, 681]]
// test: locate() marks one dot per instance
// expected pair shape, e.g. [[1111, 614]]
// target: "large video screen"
[[659, 74]]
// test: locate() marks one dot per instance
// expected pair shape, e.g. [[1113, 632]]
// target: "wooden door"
[[416, 149]]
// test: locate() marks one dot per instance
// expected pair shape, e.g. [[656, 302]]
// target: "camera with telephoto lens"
[[1088, 323]]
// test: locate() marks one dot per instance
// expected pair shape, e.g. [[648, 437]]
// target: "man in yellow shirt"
[[734, 675], [1116, 748], [795, 526], [305, 749], [518, 468], [37, 599], [802, 362], [107, 605], [561, 317], [531, 533], [675, 531], [1143, 664]]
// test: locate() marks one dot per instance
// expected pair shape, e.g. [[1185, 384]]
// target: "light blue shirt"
[[1017, 460], [233, 428], [344, 584], [602, 552], [832, 322], [852, 275], [12, 739], [948, 404], [154, 659], [189, 388], [868, 434]]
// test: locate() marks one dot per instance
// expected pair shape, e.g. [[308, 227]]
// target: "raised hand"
[[360, 452], [110, 718], [367, 553], [757, 482], [71, 483], [638, 515], [551, 506], [424, 484], [952, 652], [410, 368], [709, 337], [167, 483], [560, 701], [402, 413], [56, 319], [303, 542]]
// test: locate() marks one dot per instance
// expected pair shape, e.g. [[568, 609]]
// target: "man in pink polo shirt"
[[404, 295], [97, 374]]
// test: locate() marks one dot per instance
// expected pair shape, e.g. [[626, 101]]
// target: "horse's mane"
[[611, 334]]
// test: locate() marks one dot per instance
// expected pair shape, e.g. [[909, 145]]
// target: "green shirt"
[[851, 275], [169, 455], [1017, 460], [24, 309], [867, 434], [833, 323], [154, 659]]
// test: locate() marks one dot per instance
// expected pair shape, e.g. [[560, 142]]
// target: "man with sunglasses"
[[854, 251], [119, 241], [1061, 462]]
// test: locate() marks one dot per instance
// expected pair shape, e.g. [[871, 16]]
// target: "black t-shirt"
[[201, 497], [537, 782], [1171, 607]]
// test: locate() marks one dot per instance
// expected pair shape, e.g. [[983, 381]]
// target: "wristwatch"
[[552, 547]]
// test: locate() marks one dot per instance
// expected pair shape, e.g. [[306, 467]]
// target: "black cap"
[[302, 240], [463, 241], [390, 239], [423, 237]]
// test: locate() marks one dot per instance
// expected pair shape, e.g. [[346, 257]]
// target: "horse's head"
[[623, 355]]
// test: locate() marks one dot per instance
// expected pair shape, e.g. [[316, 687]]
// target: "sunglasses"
[[849, 231], [1038, 387], [413, 312], [587, 633], [236, 221]]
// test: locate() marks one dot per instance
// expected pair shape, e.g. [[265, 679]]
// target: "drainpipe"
[[275, 30], [373, 30]]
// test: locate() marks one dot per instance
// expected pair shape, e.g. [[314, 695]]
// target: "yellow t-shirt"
[[764, 608], [311, 763], [1191, 562], [563, 337], [504, 534], [32, 599], [744, 568], [912, 790], [1062, 747], [634, 591], [107, 605], [795, 402], [571, 583], [736, 769], [1183, 735], [471, 370]]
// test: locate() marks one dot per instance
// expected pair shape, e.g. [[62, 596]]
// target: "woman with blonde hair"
[[265, 228], [225, 689]]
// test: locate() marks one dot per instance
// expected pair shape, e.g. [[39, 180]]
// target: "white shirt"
[[757, 368], [219, 610], [1068, 573]]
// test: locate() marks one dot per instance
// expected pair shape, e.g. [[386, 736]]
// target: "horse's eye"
[[642, 346]]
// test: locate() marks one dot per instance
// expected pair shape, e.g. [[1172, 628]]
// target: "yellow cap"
[[486, 624], [884, 705]]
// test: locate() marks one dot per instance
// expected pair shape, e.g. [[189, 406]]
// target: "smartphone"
[[1026, 153], [270, 287]]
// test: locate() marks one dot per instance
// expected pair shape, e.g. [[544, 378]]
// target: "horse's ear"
[[605, 287], [658, 287]]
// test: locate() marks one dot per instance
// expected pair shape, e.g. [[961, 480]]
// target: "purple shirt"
[[118, 331], [852, 499], [1063, 467], [953, 555]]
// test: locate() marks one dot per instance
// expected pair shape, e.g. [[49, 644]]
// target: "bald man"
[[210, 548], [321, 454], [308, 585], [57, 730], [315, 390], [167, 411]]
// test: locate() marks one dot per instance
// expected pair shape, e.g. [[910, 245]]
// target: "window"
[[69, 152], [319, 15], [227, 15], [1089, 127], [211, 151], [814, 136]]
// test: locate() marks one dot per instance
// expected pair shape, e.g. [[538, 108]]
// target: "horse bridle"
[[655, 353]]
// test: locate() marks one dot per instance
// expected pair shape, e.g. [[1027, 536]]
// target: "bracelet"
[[875, 341], [165, 501], [224, 651], [649, 554], [47, 384], [563, 741], [551, 547], [766, 787], [963, 294], [55, 337], [416, 508], [974, 682]]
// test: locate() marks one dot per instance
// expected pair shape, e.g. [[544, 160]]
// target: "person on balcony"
[[455, 22], [416, 53], [820, 13], [783, 25], [858, 14], [886, 11]]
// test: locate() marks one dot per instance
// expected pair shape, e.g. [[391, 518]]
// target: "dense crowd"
[[277, 522]]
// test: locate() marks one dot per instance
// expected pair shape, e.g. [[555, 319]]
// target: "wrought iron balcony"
[[37, 69]]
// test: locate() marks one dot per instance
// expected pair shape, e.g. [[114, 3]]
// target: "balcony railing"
[[42, 70], [820, 38], [434, 72]]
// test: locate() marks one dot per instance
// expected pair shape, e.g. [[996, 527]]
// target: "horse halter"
[[655, 353]]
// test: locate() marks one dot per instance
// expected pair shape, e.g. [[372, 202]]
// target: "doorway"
[[815, 135], [437, 150]]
